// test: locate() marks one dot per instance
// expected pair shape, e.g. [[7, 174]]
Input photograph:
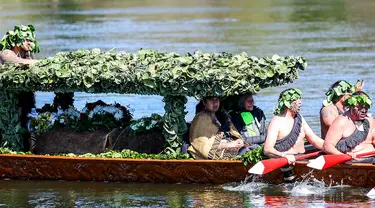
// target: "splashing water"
[[309, 186], [250, 184]]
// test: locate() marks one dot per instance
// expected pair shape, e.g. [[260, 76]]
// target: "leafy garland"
[[11, 129], [286, 98], [17, 36], [334, 93], [152, 73], [145, 124], [174, 123], [358, 99], [125, 154], [253, 156], [98, 115]]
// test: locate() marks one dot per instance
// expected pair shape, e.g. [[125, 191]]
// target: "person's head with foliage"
[[339, 91], [289, 99], [21, 38], [358, 104]]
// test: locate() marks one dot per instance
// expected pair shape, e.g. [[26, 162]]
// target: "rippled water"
[[336, 37]]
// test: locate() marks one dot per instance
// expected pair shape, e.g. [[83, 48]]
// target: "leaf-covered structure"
[[153, 73], [149, 72]]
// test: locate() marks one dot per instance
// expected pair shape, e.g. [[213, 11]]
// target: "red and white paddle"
[[371, 193], [266, 166], [326, 161]]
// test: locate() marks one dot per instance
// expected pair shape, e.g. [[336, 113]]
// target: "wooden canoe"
[[34, 167]]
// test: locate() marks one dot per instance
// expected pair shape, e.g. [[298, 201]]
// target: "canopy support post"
[[174, 125], [10, 125]]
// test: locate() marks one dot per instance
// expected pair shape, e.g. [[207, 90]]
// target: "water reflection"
[[252, 194], [336, 37]]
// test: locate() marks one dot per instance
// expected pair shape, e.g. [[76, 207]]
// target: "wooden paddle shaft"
[[308, 155], [366, 154]]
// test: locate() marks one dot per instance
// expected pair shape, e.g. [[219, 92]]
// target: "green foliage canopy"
[[152, 73]]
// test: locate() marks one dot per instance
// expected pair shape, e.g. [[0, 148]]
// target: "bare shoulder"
[[7, 53], [328, 111], [371, 120], [341, 120], [276, 121]]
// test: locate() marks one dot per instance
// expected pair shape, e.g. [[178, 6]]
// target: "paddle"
[[371, 193], [326, 161], [266, 166]]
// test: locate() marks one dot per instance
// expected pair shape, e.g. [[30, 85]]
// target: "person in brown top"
[[212, 134], [333, 105], [353, 131]]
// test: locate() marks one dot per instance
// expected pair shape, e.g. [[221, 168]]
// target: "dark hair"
[[222, 115], [199, 107], [242, 101]]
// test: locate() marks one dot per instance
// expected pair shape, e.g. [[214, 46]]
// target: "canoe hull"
[[32, 167]]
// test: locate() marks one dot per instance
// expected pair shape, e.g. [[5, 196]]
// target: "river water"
[[336, 37]]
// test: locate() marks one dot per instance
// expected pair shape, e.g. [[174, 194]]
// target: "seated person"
[[249, 120], [333, 105], [352, 132], [287, 131], [212, 134]]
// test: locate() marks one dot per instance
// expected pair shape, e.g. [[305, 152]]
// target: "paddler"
[[333, 105], [353, 131], [287, 131]]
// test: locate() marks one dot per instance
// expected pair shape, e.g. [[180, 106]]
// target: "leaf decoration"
[[153, 73]]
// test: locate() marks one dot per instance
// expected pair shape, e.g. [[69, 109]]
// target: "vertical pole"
[[10, 126], [174, 123]]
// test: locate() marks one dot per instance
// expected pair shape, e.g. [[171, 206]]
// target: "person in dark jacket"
[[249, 120]]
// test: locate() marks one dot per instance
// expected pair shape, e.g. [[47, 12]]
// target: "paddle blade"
[[266, 166], [371, 193], [326, 161]]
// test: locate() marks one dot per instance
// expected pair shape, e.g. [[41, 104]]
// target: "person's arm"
[[327, 115], [10, 56], [315, 140], [333, 136], [225, 144]]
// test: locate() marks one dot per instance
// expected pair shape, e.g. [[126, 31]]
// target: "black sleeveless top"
[[347, 144], [290, 140]]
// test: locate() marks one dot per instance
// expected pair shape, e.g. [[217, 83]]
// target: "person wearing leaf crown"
[[287, 131], [249, 120], [212, 134], [18, 45], [333, 105], [353, 131]]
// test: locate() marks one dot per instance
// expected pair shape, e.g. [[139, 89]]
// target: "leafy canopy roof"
[[153, 73]]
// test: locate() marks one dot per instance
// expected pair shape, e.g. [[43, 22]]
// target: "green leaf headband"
[[334, 93], [286, 98], [17, 36], [361, 99]]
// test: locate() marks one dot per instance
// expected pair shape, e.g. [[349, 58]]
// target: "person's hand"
[[239, 143], [352, 154], [359, 85], [291, 159], [235, 144]]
